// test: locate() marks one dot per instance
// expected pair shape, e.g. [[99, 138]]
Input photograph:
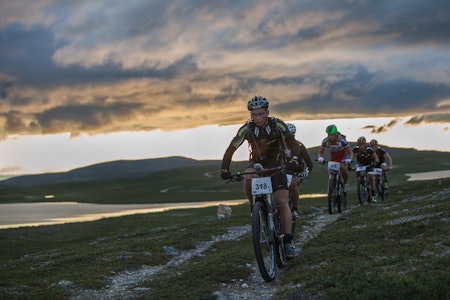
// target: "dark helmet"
[[331, 129], [374, 143], [258, 102], [361, 140]]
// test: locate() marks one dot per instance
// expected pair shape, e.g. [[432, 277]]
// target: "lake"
[[14, 215], [428, 175]]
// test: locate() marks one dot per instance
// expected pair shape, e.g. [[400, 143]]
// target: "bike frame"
[[379, 181], [266, 225], [336, 196], [363, 185]]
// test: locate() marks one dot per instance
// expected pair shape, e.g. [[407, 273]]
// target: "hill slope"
[[108, 170]]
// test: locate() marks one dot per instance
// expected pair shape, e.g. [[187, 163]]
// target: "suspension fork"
[[270, 216]]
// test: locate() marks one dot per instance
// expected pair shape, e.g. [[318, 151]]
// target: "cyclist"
[[340, 151], [385, 160], [366, 156], [267, 137], [296, 180]]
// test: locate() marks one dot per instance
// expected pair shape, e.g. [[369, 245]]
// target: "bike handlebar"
[[349, 166], [259, 170]]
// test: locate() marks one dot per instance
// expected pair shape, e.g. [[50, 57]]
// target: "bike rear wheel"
[[263, 242], [385, 190]]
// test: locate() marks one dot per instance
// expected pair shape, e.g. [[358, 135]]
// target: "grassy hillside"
[[201, 183], [398, 249]]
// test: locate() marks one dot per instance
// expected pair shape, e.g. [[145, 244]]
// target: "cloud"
[[102, 66], [383, 128], [443, 117], [10, 170]]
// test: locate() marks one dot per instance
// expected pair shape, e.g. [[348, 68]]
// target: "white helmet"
[[291, 128], [257, 102]]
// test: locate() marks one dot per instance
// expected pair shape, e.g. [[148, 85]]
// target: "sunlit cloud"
[[99, 67], [443, 117], [9, 170], [381, 129]]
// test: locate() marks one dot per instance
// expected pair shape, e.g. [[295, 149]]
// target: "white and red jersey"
[[338, 149]]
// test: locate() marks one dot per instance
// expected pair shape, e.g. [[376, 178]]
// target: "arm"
[[306, 157], [349, 152], [226, 160], [375, 158], [235, 143], [389, 160]]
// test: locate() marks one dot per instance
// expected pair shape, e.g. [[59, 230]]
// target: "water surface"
[[428, 175]]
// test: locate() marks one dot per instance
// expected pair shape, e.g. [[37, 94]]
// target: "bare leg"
[[281, 197], [344, 172], [293, 191]]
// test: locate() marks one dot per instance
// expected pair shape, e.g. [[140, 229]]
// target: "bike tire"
[[263, 242], [385, 190], [360, 191], [279, 246], [338, 191], [331, 195], [366, 192], [380, 187]]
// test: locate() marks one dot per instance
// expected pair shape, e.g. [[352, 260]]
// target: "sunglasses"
[[257, 115]]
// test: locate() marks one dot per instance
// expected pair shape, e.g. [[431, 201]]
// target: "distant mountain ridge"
[[108, 170]]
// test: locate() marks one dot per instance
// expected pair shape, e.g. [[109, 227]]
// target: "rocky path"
[[125, 285], [255, 287]]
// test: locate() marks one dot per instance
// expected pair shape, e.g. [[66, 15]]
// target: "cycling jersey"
[[338, 149], [380, 152], [364, 158], [304, 156], [267, 143]]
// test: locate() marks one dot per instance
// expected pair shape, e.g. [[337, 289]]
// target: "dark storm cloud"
[[84, 66]]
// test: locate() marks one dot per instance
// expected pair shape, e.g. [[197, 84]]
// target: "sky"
[[83, 82]]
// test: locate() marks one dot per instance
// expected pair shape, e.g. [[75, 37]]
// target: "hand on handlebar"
[[293, 166], [225, 174], [304, 174]]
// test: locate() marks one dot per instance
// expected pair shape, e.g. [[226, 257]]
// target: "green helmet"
[[331, 129]]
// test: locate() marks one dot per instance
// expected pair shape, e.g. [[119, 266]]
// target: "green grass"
[[191, 184], [398, 249], [393, 250]]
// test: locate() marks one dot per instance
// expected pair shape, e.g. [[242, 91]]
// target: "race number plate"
[[261, 186], [377, 171], [333, 166], [360, 168]]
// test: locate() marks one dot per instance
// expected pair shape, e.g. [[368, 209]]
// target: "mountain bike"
[[266, 224], [380, 181], [363, 188], [337, 198]]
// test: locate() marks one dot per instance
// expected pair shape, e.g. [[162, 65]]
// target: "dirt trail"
[[125, 285], [255, 287]]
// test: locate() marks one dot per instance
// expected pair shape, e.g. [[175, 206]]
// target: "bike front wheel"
[[361, 192], [263, 242], [332, 195]]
